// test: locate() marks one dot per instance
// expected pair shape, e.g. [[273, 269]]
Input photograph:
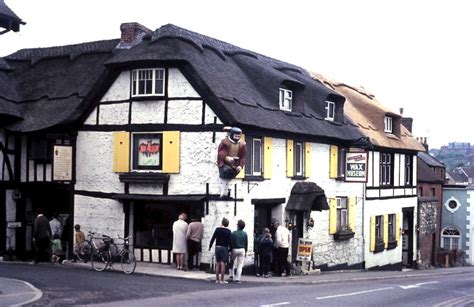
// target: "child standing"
[[79, 239], [56, 249]]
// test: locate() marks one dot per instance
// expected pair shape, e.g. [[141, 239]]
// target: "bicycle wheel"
[[128, 261], [99, 259]]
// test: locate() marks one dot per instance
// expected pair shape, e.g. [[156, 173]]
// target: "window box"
[[298, 178], [253, 178], [344, 234], [379, 247], [147, 178], [392, 244]]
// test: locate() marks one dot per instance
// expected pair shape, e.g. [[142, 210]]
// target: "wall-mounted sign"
[[305, 248], [62, 163], [356, 167], [13, 224]]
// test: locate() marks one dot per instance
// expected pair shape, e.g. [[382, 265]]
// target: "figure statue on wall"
[[231, 155]]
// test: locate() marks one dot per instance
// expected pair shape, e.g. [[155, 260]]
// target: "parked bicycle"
[[93, 250], [108, 252]]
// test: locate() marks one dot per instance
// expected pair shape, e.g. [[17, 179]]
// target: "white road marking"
[[353, 293], [276, 304], [418, 285]]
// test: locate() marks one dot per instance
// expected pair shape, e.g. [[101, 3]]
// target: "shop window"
[[147, 151], [148, 82]]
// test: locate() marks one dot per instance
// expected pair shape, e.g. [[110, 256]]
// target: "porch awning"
[[307, 196]]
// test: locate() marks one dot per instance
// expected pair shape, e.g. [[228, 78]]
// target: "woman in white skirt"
[[179, 240]]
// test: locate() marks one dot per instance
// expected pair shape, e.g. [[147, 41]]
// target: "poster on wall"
[[356, 167], [149, 151], [62, 163], [305, 248]]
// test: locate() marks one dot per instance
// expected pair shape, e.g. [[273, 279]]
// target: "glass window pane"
[[159, 87], [257, 154]]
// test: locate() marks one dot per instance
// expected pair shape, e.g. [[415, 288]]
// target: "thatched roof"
[[8, 19]]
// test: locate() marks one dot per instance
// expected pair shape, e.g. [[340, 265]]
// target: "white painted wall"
[[381, 207], [113, 114], [148, 112], [120, 89], [178, 85]]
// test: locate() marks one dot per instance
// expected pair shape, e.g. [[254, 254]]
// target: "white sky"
[[418, 55]]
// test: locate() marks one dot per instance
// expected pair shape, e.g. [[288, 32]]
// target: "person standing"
[[282, 243], [239, 243], [55, 224], [180, 228], [41, 237], [266, 249], [194, 236], [79, 241], [222, 236]]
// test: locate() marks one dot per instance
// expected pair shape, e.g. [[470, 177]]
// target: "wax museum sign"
[[356, 167]]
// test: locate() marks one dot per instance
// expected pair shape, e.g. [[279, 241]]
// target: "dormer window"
[[148, 82], [330, 110], [388, 124], [286, 99]]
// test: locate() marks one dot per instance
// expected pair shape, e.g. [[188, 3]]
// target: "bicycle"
[[108, 253], [97, 254]]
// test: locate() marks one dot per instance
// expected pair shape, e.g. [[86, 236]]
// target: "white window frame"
[[300, 158], [342, 213], [155, 72], [388, 124], [286, 99], [386, 169], [330, 110], [257, 142], [450, 237], [452, 210]]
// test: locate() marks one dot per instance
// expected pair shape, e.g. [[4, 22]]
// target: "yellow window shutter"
[[241, 175], [398, 226], [267, 157], [352, 212], [289, 158], [372, 233], [170, 152], [307, 159], [121, 152], [332, 216], [385, 230], [333, 162]]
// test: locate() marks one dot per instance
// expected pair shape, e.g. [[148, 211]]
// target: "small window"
[[341, 162], [433, 192], [386, 169], [452, 204], [420, 191], [286, 99], [342, 213], [451, 238], [330, 110], [388, 123], [148, 82], [299, 159], [408, 170], [378, 228], [147, 153], [253, 164], [391, 227]]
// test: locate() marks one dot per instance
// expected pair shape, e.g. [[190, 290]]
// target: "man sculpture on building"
[[231, 155]]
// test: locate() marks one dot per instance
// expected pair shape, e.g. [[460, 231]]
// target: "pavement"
[[17, 293]]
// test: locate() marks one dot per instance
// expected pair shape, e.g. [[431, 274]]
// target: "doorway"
[[407, 237], [297, 231]]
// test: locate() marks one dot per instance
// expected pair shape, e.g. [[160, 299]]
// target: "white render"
[[148, 112], [120, 89], [92, 118], [178, 85], [99, 215], [185, 111], [94, 163], [113, 114]]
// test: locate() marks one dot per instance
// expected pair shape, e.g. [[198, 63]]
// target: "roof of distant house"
[[425, 173], [430, 160]]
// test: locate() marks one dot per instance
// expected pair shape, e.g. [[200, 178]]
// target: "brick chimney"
[[132, 34]]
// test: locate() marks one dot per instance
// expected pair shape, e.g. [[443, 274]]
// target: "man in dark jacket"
[[41, 237]]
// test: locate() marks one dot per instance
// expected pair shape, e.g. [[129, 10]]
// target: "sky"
[[417, 55]]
